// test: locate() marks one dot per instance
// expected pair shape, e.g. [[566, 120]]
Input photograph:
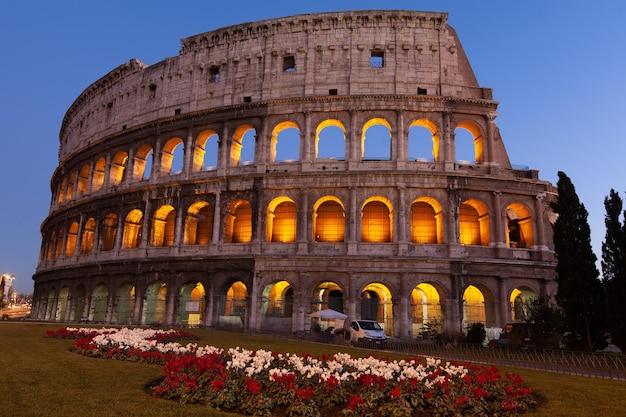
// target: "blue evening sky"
[[558, 69]]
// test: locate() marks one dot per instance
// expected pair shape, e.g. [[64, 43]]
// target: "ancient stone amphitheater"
[[276, 168]]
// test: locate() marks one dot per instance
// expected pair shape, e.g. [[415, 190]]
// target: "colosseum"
[[343, 160]]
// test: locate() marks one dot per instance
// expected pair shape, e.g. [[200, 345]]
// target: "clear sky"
[[558, 69]]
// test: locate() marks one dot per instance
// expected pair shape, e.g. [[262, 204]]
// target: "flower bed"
[[264, 383]]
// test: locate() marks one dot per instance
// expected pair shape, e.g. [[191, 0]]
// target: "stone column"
[[488, 148], [401, 215], [188, 156], [540, 240], [503, 301], [400, 147], [170, 312], [499, 219], [217, 215]]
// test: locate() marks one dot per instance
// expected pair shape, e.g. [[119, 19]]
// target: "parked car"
[[366, 329]]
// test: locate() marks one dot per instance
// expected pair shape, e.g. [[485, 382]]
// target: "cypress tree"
[[614, 269], [580, 294]]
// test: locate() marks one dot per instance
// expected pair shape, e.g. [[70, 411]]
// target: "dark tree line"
[[590, 311]]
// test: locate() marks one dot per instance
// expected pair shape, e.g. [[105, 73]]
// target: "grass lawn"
[[41, 377]]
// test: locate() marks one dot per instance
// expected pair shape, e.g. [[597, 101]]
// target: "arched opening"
[[87, 240], [242, 146], [478, 306], [172, 156], [117, 172], [376, 220], [79, 300], [191, 304], [132, 229], [519, 226], [199, 224], [143, 163], [125, 304], [426, 221], [69, 193], [281, 220], [163, 226], [330, 140], [423, 141], [72, 236], [474, 223], [98, 174], [83, 181], [154, 306], [329, 220], [109, 229], [50, 305], [376, 140], [285, 143], [277, 307], [238, 222], [376, 304], [58, 245], [99, 303], [520, 300], [327, 295], [62, 304], [206, 152], [62, 190], [468, 144], [426, 310], [233, 305]]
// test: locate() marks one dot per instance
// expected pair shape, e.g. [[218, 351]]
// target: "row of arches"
[[327, 218], [286, 143], [276, 306]]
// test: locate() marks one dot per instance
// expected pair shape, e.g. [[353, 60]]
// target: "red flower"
[[395, 393], [428, 395], [253, 386], [305, 394]]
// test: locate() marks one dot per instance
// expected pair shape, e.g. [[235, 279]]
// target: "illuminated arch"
[[69, 193], [379, 138], [117, 172], [133, 225], [237, 144], [97, 179], [474, 228], [155, 304], [199, 224], [206, 151], [377, 305], [288, 147], [72, 236], [87, 239], [417, 150], [281, 220], [377, 220], [519, 301], [330, 140], [329, 220], [426, 309], [142, 164], [277, 300], [478, 140], [327, 295], [233, 308], [478, 306], [191, 304], [125, 303], [519, 226], [163, 226], [238, 222], [172, 155], [82, 185], [58, 244], [109, 230], [426, 221], [62, 189]]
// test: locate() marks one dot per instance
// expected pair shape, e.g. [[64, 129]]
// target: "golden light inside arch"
[[163, 225], [198, 224], [328, 220], [327, 123], [426, 221], [140, 162], [281, 220], [132, 229], [238, 221], [377, 220], [519, 214], [477, 134], [432, 127], [474, 224], [426, 303], [372, 122], [199, 152], [473, 305]]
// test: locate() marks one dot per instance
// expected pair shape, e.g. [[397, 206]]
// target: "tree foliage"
[[614, 268], [580, 293]]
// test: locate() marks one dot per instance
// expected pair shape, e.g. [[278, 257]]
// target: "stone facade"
[[275, 168]]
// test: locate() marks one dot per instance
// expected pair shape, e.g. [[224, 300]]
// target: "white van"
[[368, 329]]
